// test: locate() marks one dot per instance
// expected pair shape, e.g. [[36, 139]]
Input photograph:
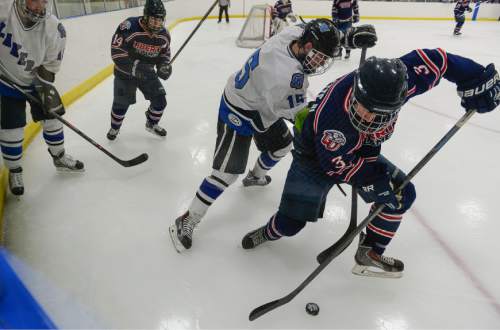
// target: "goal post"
[[257, 27]]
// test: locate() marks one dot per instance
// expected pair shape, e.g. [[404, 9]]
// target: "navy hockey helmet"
[[32, 11], [325, 39], [380, 86], [154, 15]]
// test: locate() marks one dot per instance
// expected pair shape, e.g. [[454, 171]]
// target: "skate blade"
[[366, 271], [175, 241], [67, 170]]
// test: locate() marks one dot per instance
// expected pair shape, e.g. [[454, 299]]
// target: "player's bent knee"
[[226, 178], [52, 125], [409, 195], [159, 102]]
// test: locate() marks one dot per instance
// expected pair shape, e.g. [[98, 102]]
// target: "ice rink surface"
[[95, 251]]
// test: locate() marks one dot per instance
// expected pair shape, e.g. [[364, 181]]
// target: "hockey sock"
[[11, 141], [280, 225], [117, 116], [154, 115], [53, 135], [381, 230], [268, 159], [210, 189]]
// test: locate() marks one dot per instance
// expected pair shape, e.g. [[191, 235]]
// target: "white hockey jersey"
[[24, 49], [272, 83]]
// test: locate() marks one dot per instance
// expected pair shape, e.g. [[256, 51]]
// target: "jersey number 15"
[[243, 75]]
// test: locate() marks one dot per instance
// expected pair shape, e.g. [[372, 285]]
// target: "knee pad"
[[408, 196], [159, 102], [285, 225], [227, 178]]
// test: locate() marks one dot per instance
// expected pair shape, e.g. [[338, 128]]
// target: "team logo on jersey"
[[125, 25], [332, 140], [297, 81], [234, 119]]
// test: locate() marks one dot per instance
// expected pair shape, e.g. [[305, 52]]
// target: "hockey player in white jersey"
[[32, 43], [269, 88]]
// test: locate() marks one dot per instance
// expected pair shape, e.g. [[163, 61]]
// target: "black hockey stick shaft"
[[354, 201], [343, 244], [194, 31], [126, 163]]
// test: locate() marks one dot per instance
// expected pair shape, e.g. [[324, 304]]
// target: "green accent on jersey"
[[300, 117]]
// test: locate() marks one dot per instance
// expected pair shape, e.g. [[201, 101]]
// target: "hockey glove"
[[378, 188], [361, 37], [355, 18], [164, 70], [143, 71], [482, 93], [469, 9], [50, 100]]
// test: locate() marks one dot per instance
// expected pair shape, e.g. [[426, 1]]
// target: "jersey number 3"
[[243, 75]]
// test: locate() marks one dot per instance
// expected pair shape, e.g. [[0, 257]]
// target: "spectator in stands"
[[223, 6]]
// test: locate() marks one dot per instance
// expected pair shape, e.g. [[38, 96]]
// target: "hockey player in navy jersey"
[[459, 11], [339, 141], [344, 13], [32, 43], [139, 45], [269, 88]]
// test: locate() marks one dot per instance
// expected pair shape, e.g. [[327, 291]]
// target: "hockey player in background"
[[269, 88], [339, 141], [31, 50], [282, 15], [459, 11], [344, 13], [138, 46]]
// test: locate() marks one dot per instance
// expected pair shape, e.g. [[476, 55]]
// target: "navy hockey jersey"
[[461, 7], [342, 10], [132, 42], [330, 144]]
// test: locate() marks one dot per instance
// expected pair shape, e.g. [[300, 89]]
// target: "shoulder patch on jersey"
[[297, 80], [125, 25], [332, 139], [62, 30]]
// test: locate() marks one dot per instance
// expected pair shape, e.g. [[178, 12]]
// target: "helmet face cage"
[[382, 118], [316, 62], [154, 23], [27, 13]]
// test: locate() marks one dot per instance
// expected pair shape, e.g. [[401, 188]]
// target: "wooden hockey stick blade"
[[134, 161]]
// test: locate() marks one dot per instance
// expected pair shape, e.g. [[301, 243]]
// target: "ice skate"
[[65, 163], [338, 53], [155, 128], [252, 180], [347, 54], [457, 33], [112, 133], [16, 184], [254, 238], [181, 232], [369, 263]]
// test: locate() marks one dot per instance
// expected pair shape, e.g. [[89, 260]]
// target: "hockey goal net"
[[257, 27]]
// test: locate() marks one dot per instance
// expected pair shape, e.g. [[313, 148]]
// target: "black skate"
[[347, 54], [338, 53], [65, 163], [16, 184], [365, 258], [181, 232], [112, 133], [252, 180], [155, 128], [457, 33], [254, 238]]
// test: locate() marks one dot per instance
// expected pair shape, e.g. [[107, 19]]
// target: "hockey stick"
[[195, 29], [354, 203], [126, 163], [342, 244]]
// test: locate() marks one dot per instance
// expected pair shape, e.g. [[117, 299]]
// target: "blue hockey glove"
[[143, 71], [482, 93], [378, 188], [164, 70]]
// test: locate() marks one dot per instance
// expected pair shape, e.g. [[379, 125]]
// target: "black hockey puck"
[[312, 308]]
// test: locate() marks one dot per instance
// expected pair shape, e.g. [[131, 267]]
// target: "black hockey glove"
[[378, 188], [143, 71], [361, 36], [49, 97], [482, 93], [355, 18], [469, 9], [164, 70]]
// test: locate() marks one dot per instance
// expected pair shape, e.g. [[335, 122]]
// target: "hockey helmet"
[[154, 15], [325, 39], [380, 86], [33, 11]]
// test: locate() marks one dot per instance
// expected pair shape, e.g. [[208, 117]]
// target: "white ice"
[[96, 250]]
